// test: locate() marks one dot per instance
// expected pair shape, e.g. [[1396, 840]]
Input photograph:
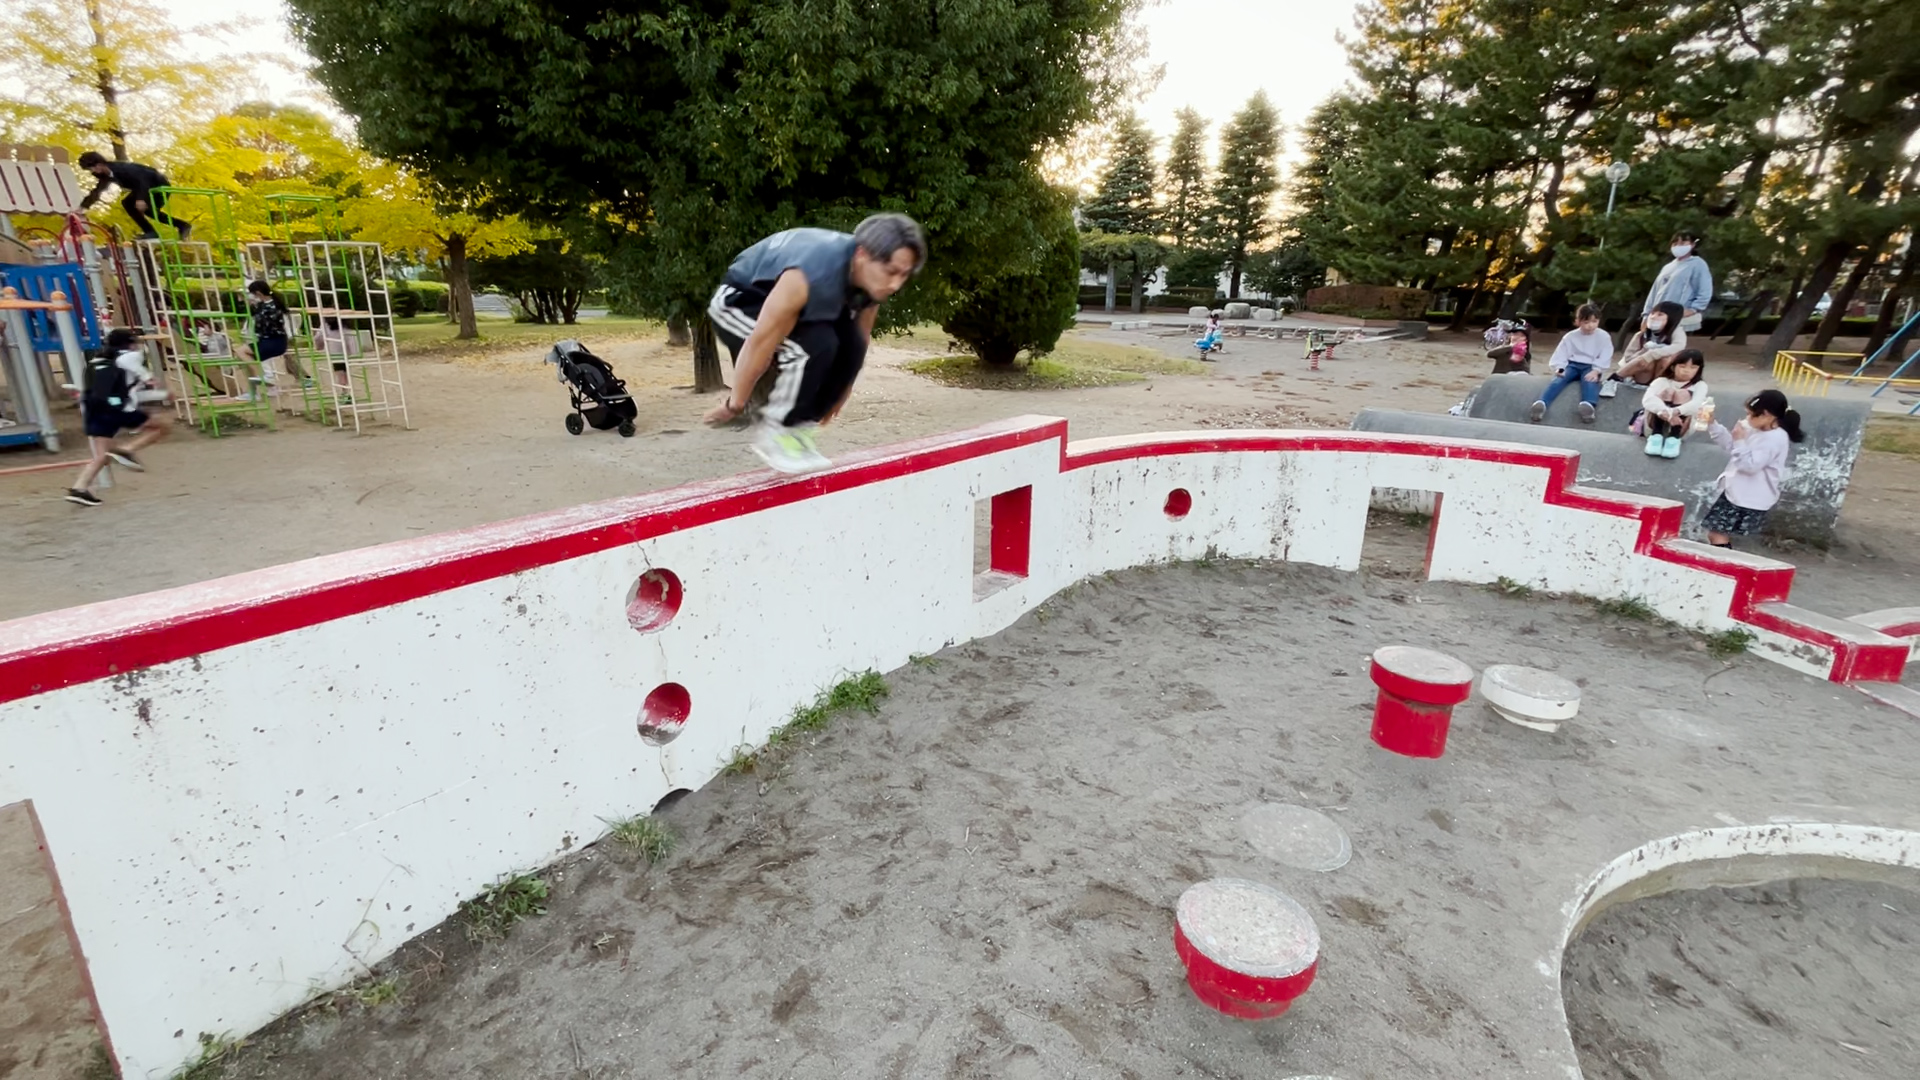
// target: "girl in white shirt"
[[1673, 401], [1757, 455]]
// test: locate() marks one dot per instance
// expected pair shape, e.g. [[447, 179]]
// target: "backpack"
[[107, 383]]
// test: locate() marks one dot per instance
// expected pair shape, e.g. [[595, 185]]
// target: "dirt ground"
[[488, 444], [1803, 978], [978, 880]]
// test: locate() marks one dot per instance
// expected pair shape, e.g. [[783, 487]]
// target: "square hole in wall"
[[1002, 540], [1400, 531]]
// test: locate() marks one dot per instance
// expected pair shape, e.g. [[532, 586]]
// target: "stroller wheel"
[[626, 429], [575, 425]]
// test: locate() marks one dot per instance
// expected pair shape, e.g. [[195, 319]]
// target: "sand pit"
[[1807, 978], [980, 880]]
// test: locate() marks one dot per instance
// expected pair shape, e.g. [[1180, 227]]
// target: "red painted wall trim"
[[64, 648]]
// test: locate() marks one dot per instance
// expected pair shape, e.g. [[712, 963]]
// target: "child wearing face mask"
[[1686, 281], [1757, 450], [1658, 341]]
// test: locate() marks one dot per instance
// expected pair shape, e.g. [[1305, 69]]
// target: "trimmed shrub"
[[1024, 311], [1369, 301]]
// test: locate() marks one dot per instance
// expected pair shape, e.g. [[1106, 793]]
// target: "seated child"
[[1673, 401]]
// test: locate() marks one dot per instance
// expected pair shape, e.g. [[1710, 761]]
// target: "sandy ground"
[[1806, 978], [978, 881], [488, 445]]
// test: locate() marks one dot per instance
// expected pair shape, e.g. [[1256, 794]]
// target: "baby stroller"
[[599, 397]]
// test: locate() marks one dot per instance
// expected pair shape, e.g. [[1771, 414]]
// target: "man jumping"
[[140, 203], [806, 299]]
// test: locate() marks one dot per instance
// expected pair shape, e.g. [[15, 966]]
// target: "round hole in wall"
[[670, 800], [664, 713], [1179, 502], [654, 600]]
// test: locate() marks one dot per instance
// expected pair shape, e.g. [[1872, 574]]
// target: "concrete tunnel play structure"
[[226, 776]]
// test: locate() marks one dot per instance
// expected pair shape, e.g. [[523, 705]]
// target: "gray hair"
[[883, 234]]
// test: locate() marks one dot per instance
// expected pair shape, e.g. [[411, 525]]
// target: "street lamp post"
[[1617, 174]]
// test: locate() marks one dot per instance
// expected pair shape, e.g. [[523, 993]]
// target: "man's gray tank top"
[[821, 254]]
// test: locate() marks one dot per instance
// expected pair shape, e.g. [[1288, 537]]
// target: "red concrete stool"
[[1418, 690], [1249, 949]]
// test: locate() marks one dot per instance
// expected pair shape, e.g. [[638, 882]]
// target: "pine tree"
[[1244, 188], [1124, 201], [1184, 203]]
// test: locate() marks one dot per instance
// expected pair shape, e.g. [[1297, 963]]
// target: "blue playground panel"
[[40, 283]]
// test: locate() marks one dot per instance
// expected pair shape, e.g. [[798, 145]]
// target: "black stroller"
[[599, 397]]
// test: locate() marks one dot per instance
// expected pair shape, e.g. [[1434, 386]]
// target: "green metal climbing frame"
[[200, 291]]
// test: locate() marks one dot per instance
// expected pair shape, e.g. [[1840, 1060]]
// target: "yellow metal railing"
[[1795, 375]]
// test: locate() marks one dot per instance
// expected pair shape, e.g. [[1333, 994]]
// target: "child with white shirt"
[[1582, 357], [1673, 401], [1757, 449]]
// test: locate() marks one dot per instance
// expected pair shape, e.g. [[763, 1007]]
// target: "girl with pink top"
[[1757, 450]]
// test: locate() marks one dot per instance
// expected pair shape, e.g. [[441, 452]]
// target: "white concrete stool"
[[1530, 697]]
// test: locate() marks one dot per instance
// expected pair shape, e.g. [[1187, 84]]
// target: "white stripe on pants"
[[790, 358]]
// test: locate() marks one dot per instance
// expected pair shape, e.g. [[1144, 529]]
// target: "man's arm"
[[777, 319], [100, 187]]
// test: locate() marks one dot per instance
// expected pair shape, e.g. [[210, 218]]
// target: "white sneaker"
[[788, 449]]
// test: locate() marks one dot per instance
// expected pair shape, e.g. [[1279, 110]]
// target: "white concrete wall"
[[238, 827]]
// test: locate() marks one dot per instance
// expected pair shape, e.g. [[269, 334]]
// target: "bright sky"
[[1216, 53]]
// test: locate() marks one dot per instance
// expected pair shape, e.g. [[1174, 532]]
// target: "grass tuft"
[[741, 762], [379, 992], [649, 837], [1893, 435], [1627, 607], [502, 905], [215, 1053], [1730, 643], [1076, 362], [1513, 588]]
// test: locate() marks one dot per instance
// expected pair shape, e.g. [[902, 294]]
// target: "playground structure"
[[146, 739], [188, 300]]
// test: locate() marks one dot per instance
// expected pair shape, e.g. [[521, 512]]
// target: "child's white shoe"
[[1672, 449], [1656, 445]]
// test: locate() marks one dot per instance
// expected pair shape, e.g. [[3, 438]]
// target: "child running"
[[1673, 401], [1582, 355], [109, 405], [1757, 448], [806, 299]]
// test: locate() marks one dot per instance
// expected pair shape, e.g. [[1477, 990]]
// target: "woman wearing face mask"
[[1685, 281], [1659, 340]]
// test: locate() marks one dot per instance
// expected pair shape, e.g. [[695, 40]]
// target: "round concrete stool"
[[1249, 949], [1530, 697], [1418, 690]]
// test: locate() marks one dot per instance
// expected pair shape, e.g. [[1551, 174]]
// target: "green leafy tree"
[[687, 131], [1289, 270], [548, 280], [1244, 188], [1197, 268], [1028, 309], [1184, 196], [1123, 201], [1137, 253]]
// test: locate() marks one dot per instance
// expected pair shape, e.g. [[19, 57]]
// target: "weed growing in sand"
[[1513, 588], [643, 834], [1627, 607], [923, 660], [1730, 643], [99, 1066], [494, 913], [377, 993], [742, 761], [214, 1052]]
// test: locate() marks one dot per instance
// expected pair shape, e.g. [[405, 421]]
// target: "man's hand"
[[1592, 376], [724, 413]]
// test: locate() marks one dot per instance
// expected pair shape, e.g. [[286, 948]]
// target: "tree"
[[1243, 190], [1140, 253], [399, 212], [548, 280], [1123, 201], [1183, 202], [1289, 270], [688, 131], [109, 76], [258, 150], [1028, 309]]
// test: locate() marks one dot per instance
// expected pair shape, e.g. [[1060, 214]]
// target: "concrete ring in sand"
[[1296, 836], [1530, 697]]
